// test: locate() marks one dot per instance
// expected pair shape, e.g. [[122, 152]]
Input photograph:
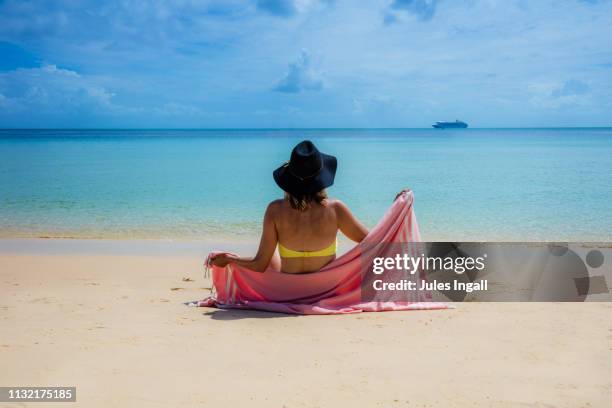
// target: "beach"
[[103, 235], [464, 147], [108, 317]]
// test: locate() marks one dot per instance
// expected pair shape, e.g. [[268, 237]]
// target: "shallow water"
[[474, 184]]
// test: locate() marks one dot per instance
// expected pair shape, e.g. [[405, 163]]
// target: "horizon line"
[[301, 128]]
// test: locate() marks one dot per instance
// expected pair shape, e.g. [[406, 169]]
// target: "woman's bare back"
[[310, 230], [306, 231]]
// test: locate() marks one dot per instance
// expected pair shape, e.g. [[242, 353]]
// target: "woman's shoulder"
[[273, 210], [341, 210], [335, 203], [275, 205]]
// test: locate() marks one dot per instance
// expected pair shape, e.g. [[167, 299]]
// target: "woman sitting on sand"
[[304, 224]]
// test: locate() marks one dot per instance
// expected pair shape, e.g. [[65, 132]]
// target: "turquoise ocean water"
[[474, 184]]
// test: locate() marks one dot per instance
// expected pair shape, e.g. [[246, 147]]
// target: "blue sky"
[[305, 63]]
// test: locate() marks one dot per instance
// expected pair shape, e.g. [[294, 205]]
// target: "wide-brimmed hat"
[[309, 171]]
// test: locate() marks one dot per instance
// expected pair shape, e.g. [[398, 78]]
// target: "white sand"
[[115, 327]]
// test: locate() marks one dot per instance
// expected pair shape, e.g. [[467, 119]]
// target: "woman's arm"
[[267, 246], [348, 224]]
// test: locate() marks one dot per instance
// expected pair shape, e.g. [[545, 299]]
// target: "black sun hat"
[[309, 171]]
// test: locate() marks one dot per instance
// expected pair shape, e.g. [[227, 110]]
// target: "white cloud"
[[68, 96], [300, 77], [50, 89], [554, 95], [571, 87], [219, 59]]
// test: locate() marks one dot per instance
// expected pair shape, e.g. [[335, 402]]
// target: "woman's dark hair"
[[303, 203]]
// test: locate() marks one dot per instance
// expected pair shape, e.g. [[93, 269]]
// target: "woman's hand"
[[221, 260], [406, 190]]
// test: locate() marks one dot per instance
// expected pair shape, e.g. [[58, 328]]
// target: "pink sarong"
[[334, 289]]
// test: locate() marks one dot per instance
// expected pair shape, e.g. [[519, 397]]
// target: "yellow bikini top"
[[290, 253]]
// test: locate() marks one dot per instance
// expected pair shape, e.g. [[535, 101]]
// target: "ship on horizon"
[[457, 124]]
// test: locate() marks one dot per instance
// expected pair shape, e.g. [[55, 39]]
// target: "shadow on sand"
[[238, 314]]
